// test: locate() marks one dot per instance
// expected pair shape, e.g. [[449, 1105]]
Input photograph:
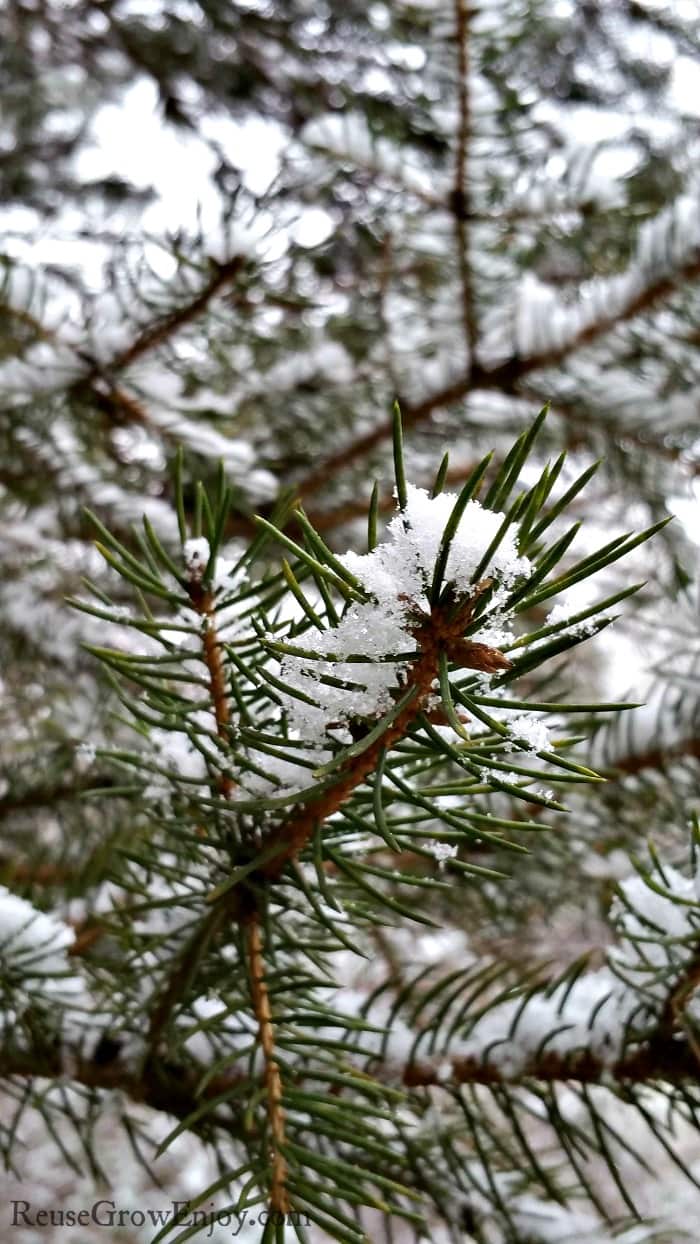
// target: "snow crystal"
[[575, 601], [196, 555], [369, 685], [418, 531], [529, 730], [443, 851], [84, 756]]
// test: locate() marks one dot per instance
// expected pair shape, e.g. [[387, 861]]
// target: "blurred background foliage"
[[247, 228]]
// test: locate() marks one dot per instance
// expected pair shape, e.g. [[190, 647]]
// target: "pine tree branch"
[[657, 757], [460, 198], [665, 1058], [279, 1199], [166, 326], [204, 602], [437, 633], [179, 1090], [505, 377], [440, 632], [163, 1086]]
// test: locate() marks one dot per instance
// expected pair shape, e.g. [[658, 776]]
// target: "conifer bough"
[[317, 750]]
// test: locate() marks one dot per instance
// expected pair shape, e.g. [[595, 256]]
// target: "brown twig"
[[113, 400], [204, 603], [663, 1058], [186, 964], [460, 201], [506, 376], [657, 757], [279, 1199], [165, 327]]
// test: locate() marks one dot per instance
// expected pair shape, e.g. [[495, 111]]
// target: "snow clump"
[[34, 965], [371, 647]]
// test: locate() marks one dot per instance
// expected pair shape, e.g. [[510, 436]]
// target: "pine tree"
[[308, 866]]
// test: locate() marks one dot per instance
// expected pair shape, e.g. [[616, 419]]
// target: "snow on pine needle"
[[370, 649], [607, 1012], [34, 965]]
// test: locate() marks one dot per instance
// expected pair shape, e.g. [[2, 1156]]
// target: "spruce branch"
[[273, 863], [665, 1058], [204, 602], [440, 632], [164, 327], [460, 199], [165, 1086], [177, 1088], [345, 916], [279, 1198], [506, 376]]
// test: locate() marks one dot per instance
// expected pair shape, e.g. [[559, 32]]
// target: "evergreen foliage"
[[341, 876]]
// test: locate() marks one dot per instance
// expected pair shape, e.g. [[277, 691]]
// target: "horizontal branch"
[[47, 795], [505, 377], [659, 756], [666, 1058], [171, 1088], [165, 326], [181, 1090]]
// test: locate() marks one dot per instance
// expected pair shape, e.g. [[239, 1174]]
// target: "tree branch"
[[506, 376], [664, 1058], [460, 198], [180, 1090], [279, 1199], [204, 603], [436, 634], [657, 757], [161, 1085], [165, 327]]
